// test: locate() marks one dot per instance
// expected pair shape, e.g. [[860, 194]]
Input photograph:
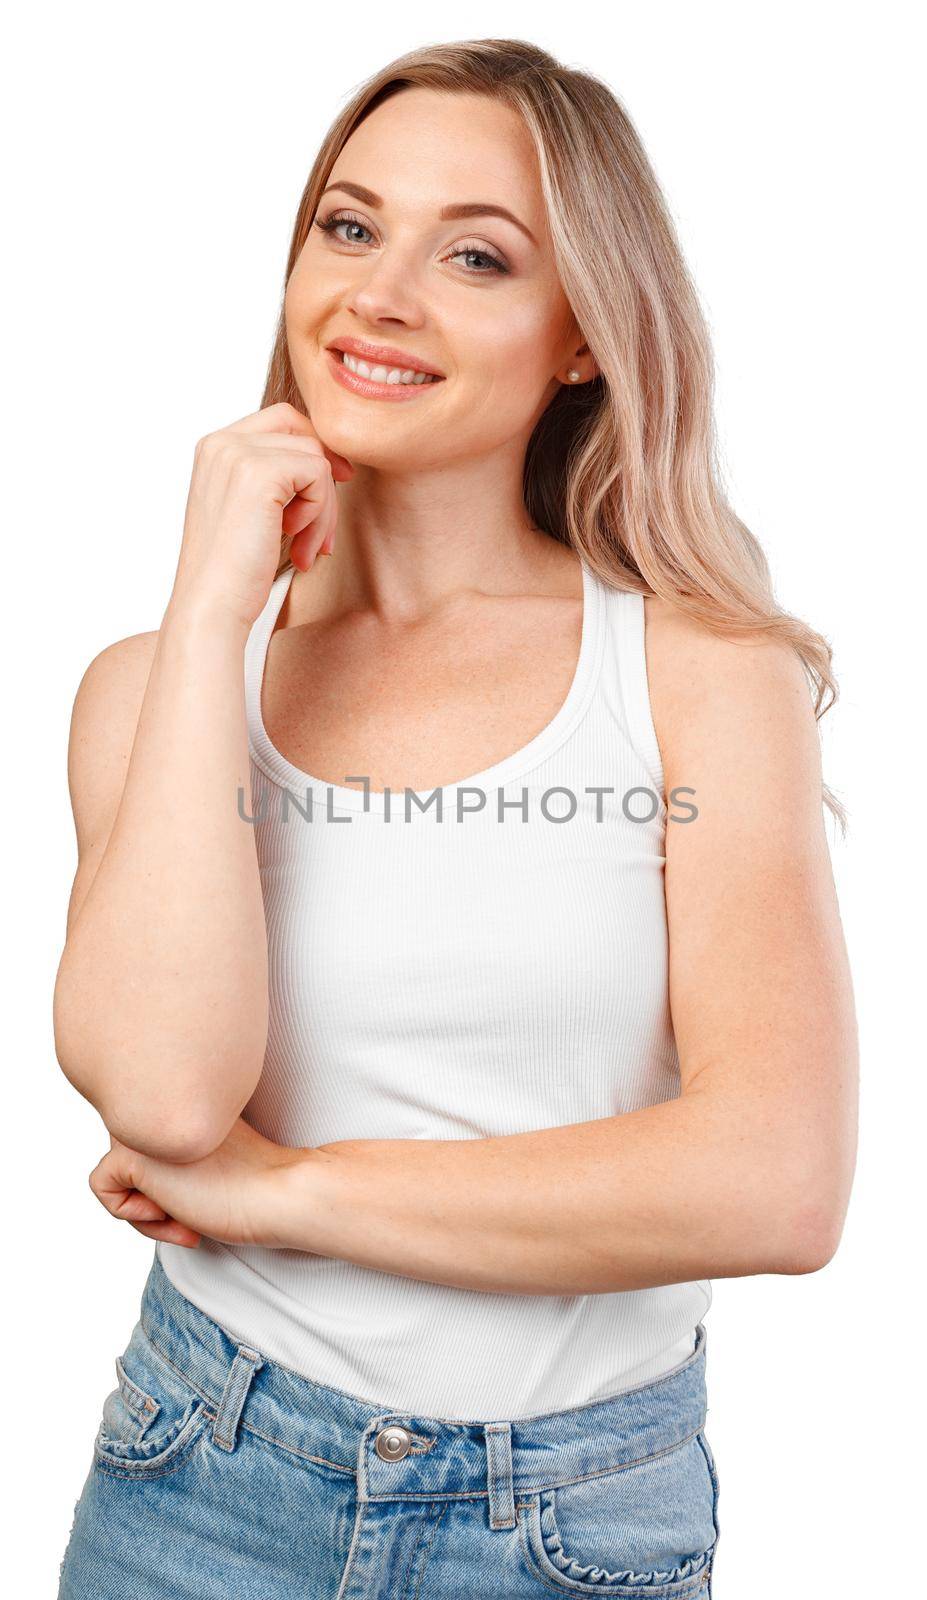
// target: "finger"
[[320, 532], [278, 418], [138, 1207], [285, 418], [303, 472], [128, 1205], [312, 518], [307, 544], [308, 445], [296, 448], [111, 1184], [302, 512], [170, 1231]]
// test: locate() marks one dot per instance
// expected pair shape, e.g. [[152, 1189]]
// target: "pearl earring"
[[572, 374]]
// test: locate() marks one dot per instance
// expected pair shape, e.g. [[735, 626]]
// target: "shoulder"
[[103, 722], [113, 685], [736, 709]]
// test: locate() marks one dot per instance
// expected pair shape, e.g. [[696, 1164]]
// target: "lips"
[[370, 389], [385, 355]]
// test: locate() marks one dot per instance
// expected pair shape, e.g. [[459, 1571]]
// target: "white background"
[[156, 156]]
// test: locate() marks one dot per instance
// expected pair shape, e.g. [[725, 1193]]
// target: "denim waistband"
[[446, 1457]]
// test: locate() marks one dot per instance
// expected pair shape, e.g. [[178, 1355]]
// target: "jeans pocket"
[[647, 1530], [152, 1418]]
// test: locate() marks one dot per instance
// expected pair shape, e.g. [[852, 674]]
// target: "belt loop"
[[246, 1364], [501, 1487]]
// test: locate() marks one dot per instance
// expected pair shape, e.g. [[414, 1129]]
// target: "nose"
[[387, 292]]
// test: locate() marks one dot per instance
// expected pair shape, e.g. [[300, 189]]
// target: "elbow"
[[780, 1218], [179, 1140], [811, 1235], [165, 1125], [181, 1115], [146, 1124], [73, 1064], [801, 1191], [812, 1253]]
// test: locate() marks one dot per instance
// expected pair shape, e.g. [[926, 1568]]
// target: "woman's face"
[[477, 297]]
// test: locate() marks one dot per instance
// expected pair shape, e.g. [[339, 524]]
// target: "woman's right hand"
[[253, 482]]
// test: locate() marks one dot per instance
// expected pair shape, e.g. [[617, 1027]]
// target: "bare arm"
[[161, 1004], [750, 1169]]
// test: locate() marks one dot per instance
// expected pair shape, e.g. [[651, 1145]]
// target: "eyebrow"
[[467, 208]]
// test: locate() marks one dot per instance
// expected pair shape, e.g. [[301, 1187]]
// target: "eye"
[[495, 265], [340, 219], [336, 220]]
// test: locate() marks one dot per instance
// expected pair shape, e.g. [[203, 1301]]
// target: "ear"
[[587, 363], [579, 358]]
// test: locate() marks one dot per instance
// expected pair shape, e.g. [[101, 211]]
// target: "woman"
[[453, 955]]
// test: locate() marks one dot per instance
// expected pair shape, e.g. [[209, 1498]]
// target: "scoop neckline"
[[282, 772]]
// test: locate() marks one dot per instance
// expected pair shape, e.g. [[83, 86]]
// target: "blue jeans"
[[218, 1474]]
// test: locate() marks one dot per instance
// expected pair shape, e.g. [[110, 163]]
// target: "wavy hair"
[[624, 468]]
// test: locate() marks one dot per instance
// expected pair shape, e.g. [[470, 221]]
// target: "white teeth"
[[385, 374]]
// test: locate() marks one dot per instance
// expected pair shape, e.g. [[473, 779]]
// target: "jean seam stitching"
[[630, 1591], [135, 1398], [339, 1467], [606, 1472], [655, 1582], [137, 1469], [433, 1531]]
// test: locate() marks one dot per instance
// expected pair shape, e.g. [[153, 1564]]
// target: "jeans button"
[[393, 1443]]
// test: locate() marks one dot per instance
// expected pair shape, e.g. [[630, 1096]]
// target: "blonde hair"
[[622, 468]]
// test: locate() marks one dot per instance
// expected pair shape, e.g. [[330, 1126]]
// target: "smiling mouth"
[[377, 381], [377, 372]]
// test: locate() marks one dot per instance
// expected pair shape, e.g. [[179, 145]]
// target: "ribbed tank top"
[[458, 976]]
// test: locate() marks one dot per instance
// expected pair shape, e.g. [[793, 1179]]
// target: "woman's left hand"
[[228, 1195]]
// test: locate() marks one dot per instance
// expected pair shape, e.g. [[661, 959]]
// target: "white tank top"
[[457, 979]]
